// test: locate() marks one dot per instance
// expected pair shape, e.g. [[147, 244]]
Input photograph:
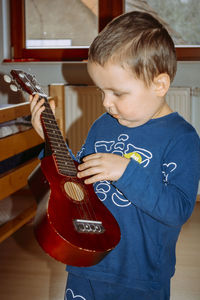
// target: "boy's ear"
[[161, 84]]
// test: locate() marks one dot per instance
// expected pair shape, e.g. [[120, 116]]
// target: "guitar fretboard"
[[56, 142]]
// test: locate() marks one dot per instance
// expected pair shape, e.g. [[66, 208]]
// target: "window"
[[180, 17], [60, 27], [22, 42], [35, 36]]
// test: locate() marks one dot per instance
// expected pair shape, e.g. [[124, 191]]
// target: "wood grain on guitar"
[[72, 225]]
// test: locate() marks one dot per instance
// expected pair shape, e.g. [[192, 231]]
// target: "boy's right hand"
[[37, 108]]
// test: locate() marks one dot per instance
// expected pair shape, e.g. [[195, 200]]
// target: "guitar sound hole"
[[74, 191]]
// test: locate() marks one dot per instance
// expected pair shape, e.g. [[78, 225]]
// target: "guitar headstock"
[[24, 81]]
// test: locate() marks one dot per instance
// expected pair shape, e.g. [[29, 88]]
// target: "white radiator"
[[179, 99], [84, 105]]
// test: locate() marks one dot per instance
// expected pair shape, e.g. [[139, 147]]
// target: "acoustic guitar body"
[[72, 224]]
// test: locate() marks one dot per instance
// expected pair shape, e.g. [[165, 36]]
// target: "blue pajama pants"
[[79, 288]]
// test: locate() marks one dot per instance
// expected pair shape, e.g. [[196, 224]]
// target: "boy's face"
[[124, 97]]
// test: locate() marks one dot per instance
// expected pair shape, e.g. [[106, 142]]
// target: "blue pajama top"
[[152, 199]]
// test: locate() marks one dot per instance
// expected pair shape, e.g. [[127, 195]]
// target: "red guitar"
[[72, 224]]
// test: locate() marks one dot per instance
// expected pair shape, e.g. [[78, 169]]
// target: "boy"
[[143, 159]]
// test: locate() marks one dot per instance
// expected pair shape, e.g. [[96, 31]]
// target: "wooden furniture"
[[14, 180]]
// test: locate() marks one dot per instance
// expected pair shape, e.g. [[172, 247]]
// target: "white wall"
[[188, 73]]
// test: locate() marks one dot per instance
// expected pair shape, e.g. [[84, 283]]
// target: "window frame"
[[107, 11]]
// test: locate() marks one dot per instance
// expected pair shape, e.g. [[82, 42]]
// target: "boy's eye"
[[117, 94]]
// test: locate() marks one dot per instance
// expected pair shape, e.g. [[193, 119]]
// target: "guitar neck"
[[56, 142], [53, 136]]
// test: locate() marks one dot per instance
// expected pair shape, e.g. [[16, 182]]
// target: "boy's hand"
[[37, 108], [102, 166]]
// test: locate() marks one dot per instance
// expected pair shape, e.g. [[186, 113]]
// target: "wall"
[[188, 73]]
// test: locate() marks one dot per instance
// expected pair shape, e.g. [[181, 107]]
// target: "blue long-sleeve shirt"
[[152, 199]]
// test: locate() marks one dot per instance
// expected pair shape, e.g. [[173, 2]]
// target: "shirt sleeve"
[[168, 193]]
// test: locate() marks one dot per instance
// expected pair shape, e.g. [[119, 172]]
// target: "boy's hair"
[[138, 41]]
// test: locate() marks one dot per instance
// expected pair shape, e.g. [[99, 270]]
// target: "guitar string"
[[34, 88], [76, 194], [80, 209], [87, 213]]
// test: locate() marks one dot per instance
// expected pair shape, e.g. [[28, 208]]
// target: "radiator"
[[179, 99], [83, 105]]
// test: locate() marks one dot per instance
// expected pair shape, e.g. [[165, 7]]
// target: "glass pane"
[[60, 23], [180, 17]]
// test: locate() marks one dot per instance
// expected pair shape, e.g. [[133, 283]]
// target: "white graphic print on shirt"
[[167, 169], [124, 148], [69, 295]]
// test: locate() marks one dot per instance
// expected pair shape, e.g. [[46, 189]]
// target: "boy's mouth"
[[116, 116]]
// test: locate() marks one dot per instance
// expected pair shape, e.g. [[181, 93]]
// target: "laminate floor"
[[27, 273]]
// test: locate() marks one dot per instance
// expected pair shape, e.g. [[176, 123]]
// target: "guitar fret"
[[60, 152], [48, 113], [63, 159], [59, 143], [59, 149], [48, 117], [54, 131], [53, 134], [61, 164], [55, 138], [57, 152], [67, 170], [51, 128], [49, 120], [71, 174], [66, 164]]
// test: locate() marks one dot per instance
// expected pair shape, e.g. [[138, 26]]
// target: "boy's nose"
[[107, 101]]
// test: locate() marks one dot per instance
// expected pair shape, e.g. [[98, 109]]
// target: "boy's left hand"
[[102, 166]]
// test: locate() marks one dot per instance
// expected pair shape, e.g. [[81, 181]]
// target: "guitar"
[[71, 225]]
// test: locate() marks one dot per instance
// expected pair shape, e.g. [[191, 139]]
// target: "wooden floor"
[[26, 273]]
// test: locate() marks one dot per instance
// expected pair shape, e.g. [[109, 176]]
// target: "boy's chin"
[[130, 124]]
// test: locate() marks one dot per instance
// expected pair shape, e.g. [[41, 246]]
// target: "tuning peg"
[[7, 78], [13, 88]]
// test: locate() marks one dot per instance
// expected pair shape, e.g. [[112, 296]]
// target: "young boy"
[[143, 159]]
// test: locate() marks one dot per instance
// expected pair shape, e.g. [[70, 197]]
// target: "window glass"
[[180, 17], [60, 23]]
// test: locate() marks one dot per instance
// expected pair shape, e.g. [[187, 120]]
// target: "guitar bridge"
[[87, 226]]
